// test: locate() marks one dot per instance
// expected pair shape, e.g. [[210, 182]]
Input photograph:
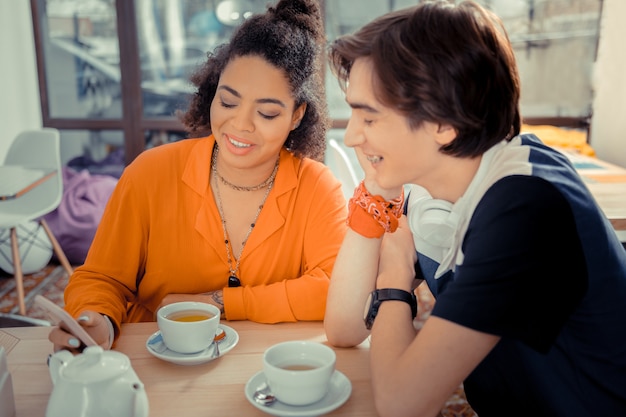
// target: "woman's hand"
[[212, 297], [94, 323]]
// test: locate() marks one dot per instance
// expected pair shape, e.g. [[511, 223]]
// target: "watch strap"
[[389, 294], [386, 294]]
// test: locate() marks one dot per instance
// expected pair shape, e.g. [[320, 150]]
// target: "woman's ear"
[[445, 134], [298, 114]]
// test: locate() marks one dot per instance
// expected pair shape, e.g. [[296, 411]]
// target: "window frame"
[[133, 123]]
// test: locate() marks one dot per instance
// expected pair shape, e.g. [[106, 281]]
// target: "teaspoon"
[[263, 395], [221, 334]]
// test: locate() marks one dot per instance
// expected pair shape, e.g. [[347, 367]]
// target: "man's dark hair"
[[441, 63]]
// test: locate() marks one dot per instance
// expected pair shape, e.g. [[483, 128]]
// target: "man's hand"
[[370, 180], [396, 266]]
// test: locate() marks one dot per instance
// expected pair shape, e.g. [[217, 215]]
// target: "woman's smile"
[[237, 143]]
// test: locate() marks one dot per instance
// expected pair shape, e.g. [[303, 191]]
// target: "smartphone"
[[63, 319]]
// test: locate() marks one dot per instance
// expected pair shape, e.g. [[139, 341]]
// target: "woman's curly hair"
[[291, 37]]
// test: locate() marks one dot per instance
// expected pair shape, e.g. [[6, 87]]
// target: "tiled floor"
[[50, 282]]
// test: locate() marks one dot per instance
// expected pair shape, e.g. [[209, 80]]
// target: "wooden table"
[[215, 388]]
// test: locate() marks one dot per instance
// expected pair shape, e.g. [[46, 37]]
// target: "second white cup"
[[188, 326], [299, 372]]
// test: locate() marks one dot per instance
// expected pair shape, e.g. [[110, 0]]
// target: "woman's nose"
[[243, 121]]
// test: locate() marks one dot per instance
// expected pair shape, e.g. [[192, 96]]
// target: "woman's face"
[[390, 152], [252, 112]]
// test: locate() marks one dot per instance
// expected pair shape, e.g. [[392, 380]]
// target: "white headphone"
[[432, 222]]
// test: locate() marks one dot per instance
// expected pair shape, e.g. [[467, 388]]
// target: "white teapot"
[[95, 383]]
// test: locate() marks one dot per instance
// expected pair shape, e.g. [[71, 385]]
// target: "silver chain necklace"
[[233, 279]]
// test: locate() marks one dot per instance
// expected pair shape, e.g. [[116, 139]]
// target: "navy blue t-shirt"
[[543, 269]]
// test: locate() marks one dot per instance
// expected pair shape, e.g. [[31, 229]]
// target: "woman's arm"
[[353, 278], [107, 280], [298, 258], [354, 275]]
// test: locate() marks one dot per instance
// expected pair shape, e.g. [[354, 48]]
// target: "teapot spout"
[[141, 407]]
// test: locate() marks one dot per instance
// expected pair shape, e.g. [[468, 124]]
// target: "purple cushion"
[[75, 221]]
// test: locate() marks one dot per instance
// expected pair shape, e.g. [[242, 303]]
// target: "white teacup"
[[299, 372], [188, 326]]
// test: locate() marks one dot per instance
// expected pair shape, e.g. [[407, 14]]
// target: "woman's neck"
[[245, 179]]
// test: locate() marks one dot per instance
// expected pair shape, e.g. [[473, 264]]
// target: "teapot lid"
[[95, 364]]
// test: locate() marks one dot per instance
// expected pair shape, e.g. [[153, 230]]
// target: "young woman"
[[528, 274], [245, 216]]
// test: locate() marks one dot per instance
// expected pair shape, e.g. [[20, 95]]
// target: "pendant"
[[233, 281]]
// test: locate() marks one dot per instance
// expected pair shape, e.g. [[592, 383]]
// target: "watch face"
[[368, 304]]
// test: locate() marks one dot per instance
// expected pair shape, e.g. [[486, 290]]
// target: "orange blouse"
[[161, 233]]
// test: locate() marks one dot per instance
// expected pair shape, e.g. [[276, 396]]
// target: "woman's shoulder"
[[310, 179], [163, 159], [168, 151], [310, 171], [312, 165]]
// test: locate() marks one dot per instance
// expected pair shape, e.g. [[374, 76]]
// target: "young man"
[[529, 277]]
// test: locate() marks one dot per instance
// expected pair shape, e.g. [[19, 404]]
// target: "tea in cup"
[[188, 326], [299, 372]]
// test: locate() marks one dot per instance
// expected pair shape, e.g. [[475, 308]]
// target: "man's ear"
[[445, 134], [298, 114]]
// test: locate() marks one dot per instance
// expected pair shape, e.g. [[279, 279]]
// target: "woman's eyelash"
[[268, 116], [263, 115]]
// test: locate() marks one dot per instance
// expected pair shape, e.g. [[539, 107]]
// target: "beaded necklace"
[[233, 279], [248, 188]]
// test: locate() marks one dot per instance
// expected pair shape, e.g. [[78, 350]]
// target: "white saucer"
[[339, 392], [155, 346]]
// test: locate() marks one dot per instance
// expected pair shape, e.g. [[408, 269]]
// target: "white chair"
[[339, 162], [40, 149]]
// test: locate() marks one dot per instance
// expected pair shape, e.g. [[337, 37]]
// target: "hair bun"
[[305, 14]]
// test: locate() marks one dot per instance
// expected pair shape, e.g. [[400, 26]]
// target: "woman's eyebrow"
[[261, 100], [273, 101]]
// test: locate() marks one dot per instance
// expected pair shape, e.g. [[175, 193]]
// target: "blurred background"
[[110, 75]]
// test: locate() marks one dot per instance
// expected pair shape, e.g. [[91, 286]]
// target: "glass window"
[[97, 151], [555, 43], [81, 59], [174, 37], [84, 59], [158, 137], [347, 16]]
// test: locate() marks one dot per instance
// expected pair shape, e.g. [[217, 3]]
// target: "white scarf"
[[439, 233]]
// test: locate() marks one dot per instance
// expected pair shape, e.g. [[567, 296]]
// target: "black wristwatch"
[[385, 294]]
